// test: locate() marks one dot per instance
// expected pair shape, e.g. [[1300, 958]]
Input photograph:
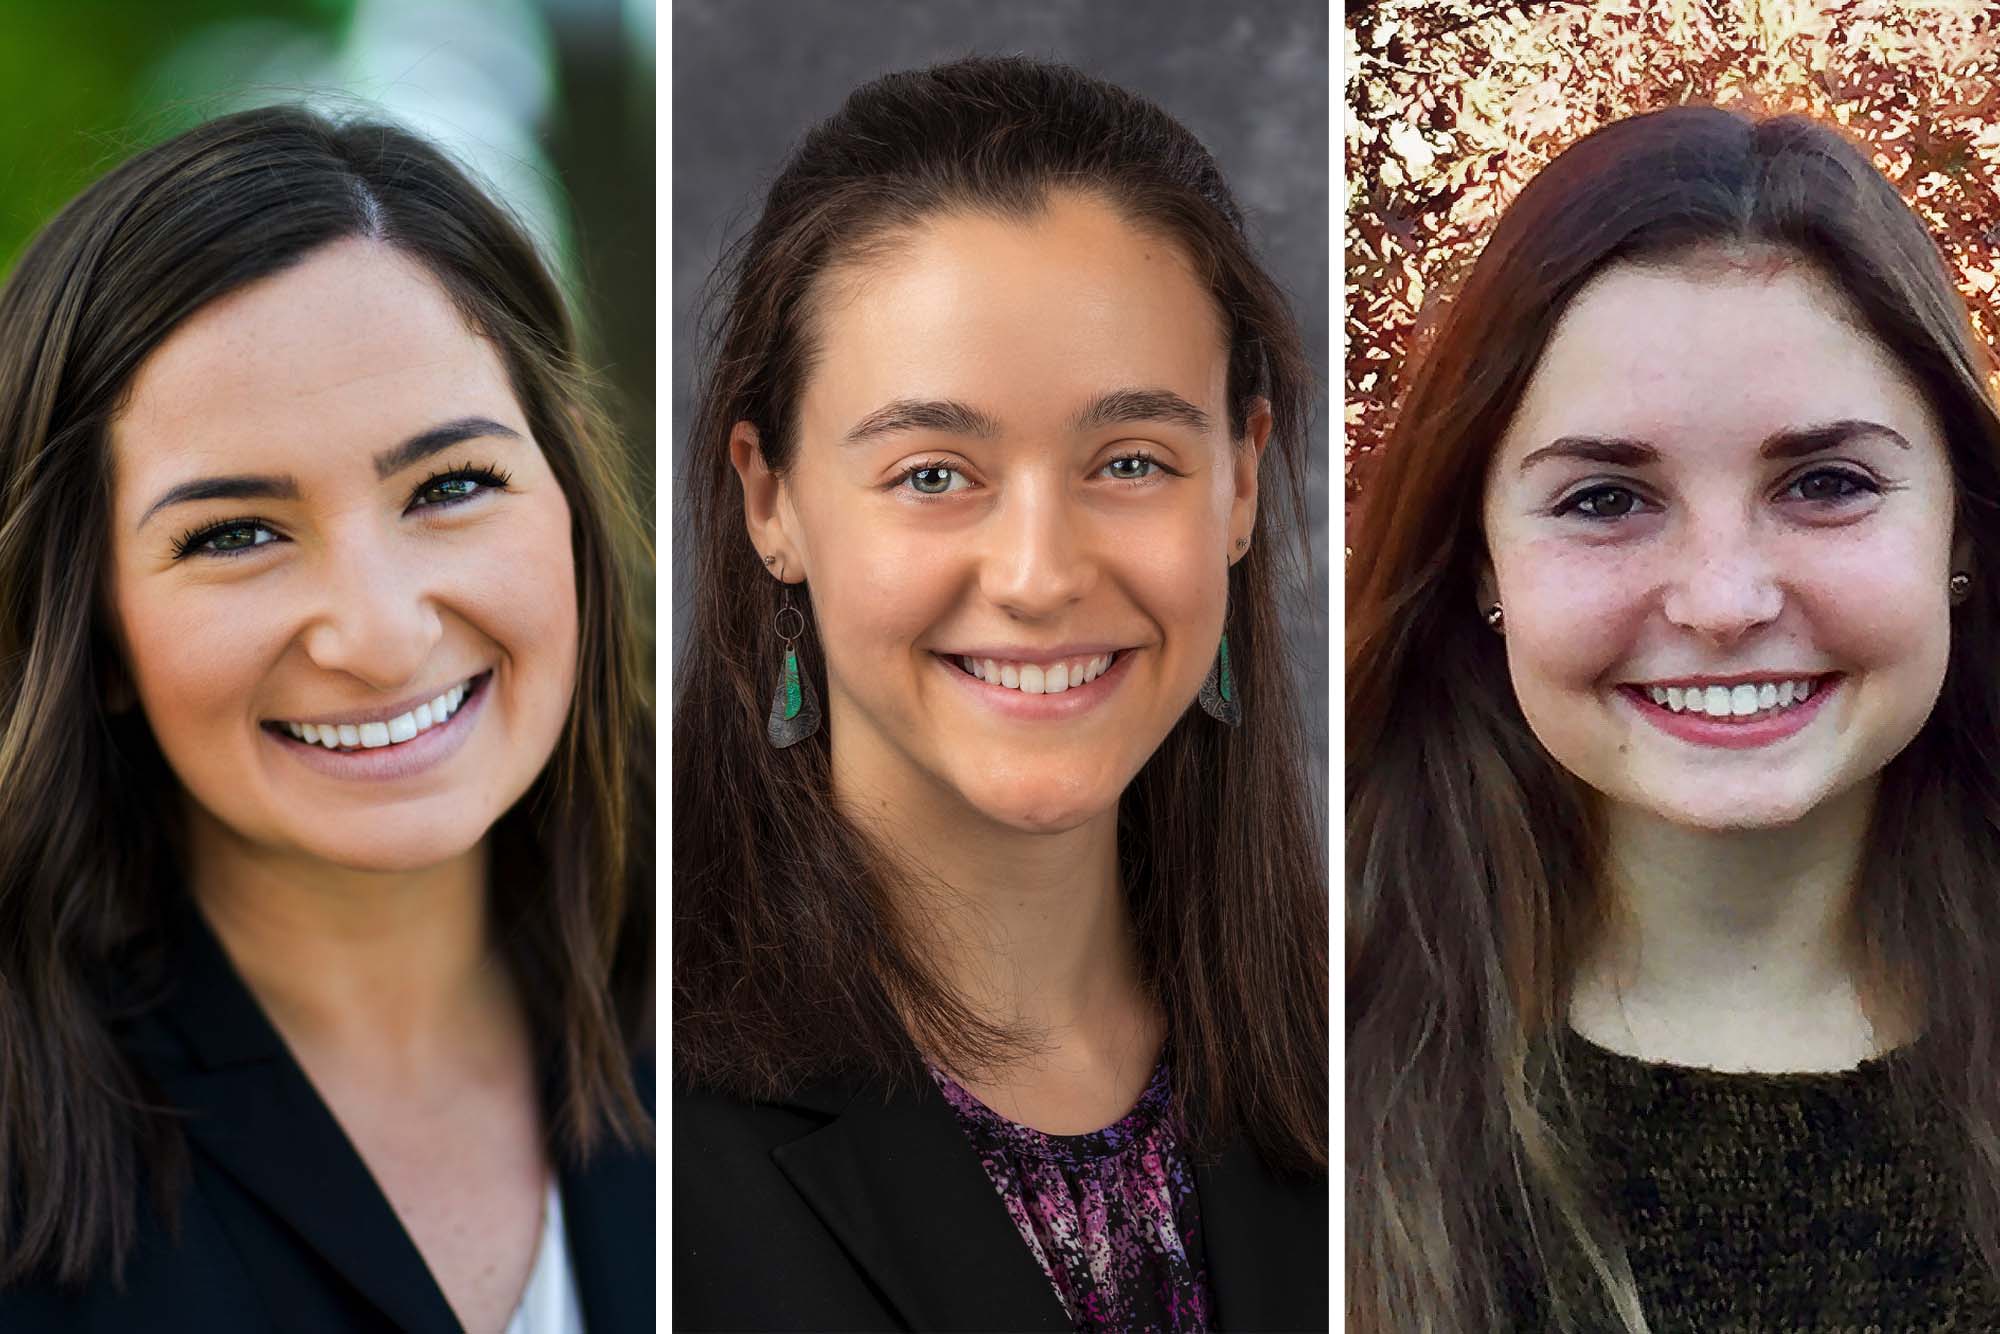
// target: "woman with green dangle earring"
[[1000, 993]]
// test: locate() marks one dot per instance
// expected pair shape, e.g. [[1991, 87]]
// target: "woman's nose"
[[1725, 585], [374, 617], [1035, 560]]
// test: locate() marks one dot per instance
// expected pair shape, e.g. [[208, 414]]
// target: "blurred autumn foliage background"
[[1452, 107]]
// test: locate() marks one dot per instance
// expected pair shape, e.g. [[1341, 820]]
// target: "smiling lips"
[[1032, 678], [378, 733], [1736, 714]]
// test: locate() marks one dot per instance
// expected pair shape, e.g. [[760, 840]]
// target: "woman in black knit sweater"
[[1674, 765]]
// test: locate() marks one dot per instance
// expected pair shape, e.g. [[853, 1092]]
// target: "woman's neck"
[[1733, 949], [395, 965], [1031, 929]]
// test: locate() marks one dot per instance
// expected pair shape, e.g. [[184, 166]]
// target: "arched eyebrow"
[[1141, 405], [922, 414], [1794, 443], [281, 486], [955, 418]]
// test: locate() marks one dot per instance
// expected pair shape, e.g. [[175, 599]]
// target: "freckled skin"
[[366, 602], [1722, 569], [1037, 545]]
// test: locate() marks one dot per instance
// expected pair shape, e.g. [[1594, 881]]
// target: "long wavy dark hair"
[[89, 837], [789, 960], [1472, 857]]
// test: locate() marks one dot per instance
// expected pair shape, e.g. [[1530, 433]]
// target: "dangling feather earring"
[[794, 706]]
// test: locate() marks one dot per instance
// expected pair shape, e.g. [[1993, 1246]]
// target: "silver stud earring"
[[1496, 618], [1960, 585]]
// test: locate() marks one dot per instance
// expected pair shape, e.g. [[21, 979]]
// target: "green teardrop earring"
[[794, 706], [1218, 695]]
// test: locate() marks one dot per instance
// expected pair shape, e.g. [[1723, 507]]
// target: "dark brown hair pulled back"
[[788, 961], [89, 856], [1472, 861]]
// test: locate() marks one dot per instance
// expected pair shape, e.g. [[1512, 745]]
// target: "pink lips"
[[1702, 730], [426, 750], [1038, 708]]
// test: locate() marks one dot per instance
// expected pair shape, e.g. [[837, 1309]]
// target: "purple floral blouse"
[[1111, 1216]]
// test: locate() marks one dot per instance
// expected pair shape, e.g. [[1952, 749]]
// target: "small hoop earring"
[[1960, 585], [1496, 618]]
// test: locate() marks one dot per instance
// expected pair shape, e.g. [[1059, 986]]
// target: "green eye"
[[932, 480], [1131, 468], [450, 488]]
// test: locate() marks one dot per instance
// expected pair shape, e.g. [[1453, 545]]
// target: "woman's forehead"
[[1710, 354], [340, 354], [1029, 317]]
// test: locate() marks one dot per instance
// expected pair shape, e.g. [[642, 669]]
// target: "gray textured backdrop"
[[1250, 79]]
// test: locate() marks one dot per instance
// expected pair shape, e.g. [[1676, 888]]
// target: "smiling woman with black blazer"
[[1000, 920], [325, 786]]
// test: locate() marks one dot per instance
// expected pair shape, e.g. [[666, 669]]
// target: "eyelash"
[[489, 478], [1860, 482], [944, 465]]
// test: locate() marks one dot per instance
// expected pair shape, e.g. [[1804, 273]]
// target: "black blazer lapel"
[[1265, 1239], [247, 1105], [897, 1183], [610, 1216]]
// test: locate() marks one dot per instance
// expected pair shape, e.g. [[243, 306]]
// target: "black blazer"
[[284, 1229], [843, 1209]]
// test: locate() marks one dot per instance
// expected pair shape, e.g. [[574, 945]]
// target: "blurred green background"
[[549, 102]]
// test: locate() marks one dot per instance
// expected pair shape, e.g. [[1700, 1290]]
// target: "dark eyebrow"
[[1794, 443], [284, 487], [1141, 405], [926, 414], [1616, 451], [1806, 440], [419, 447]]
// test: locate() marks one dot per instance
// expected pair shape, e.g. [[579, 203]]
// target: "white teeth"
[[1739, 701], [373, 736], [1039, 678]]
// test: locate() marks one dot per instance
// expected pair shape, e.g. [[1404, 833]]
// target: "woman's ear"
[[1486, 588], [1249, 454], [765, 517]]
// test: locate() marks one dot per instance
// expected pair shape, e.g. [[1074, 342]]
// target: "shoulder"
[[749, 1250]]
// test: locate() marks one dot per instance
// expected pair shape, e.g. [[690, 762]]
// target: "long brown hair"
[[789, 962], [89, 862], [1472, 858]]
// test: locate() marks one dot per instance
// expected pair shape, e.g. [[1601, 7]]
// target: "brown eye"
[[1826, 484], [1602, 502]]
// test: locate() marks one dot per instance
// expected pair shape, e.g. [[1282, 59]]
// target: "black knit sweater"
[[1788, 1202]]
